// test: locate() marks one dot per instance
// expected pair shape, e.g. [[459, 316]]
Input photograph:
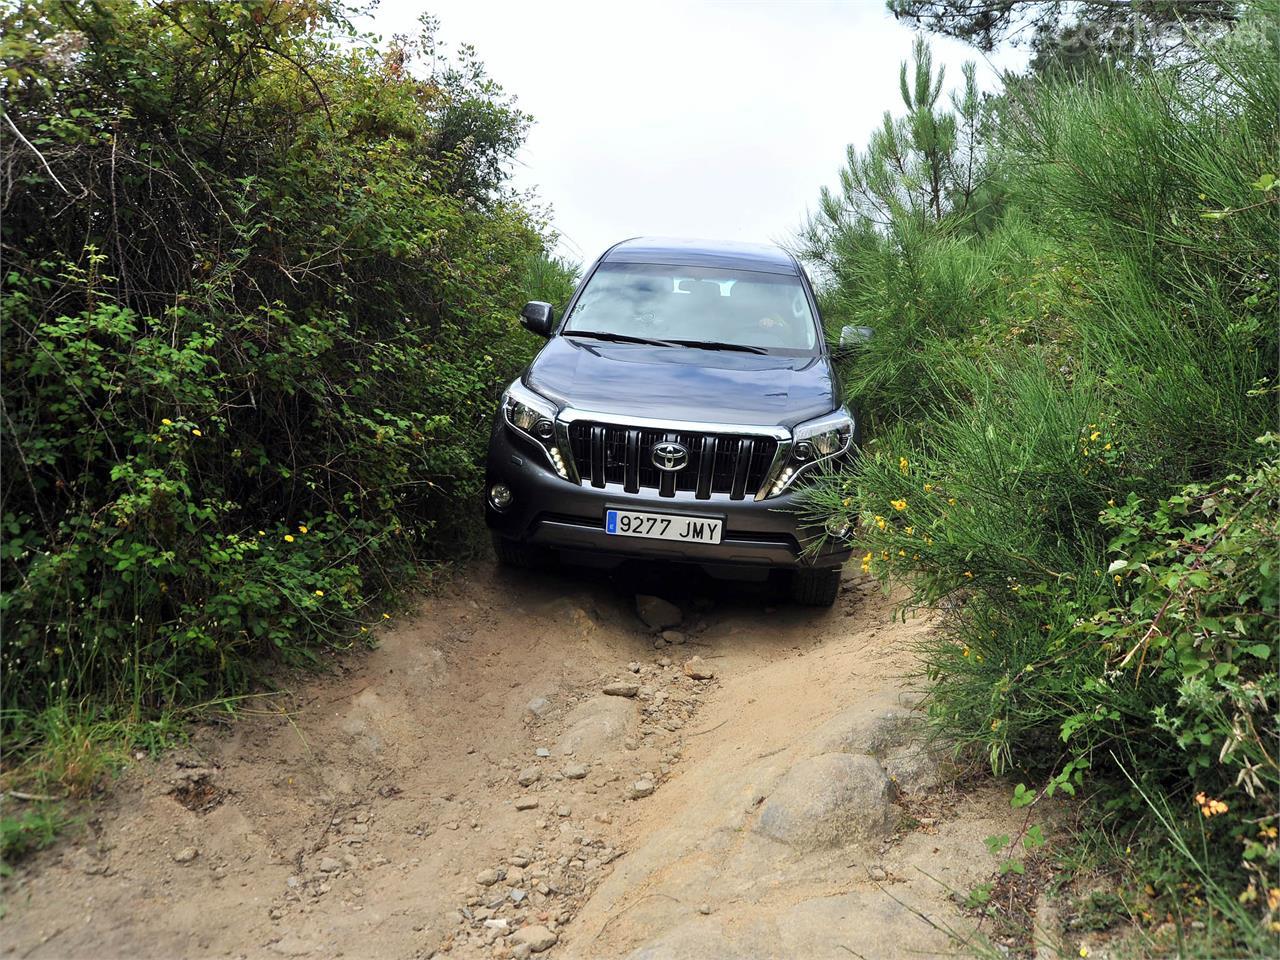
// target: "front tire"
[[815, 586], [513, 553]]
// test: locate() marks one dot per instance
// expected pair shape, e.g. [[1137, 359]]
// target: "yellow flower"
[[928, 488], [909, 530], [902, 553], [846, 501], [319, 593], [966, 652], [1210, 807], [196, 433], [288, 538], [1273, 898], [880, 522], [898, 505], [302, 528], [995, 724], [969, 574], [903, 465], [951, 500], [364, 629], [386, 616], [1116, 578], [262, 533], [1111, 502], [1106, 446], [167, 422], [1094, 436], [1084, 951]]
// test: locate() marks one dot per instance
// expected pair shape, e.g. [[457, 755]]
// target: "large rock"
[[828, 801], [597, 726], [537, 937], [917, 767], [657, 613], [871, 727], [701, 940], [893, 734]]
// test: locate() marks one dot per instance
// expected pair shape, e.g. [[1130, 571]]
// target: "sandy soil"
[[375, 811]]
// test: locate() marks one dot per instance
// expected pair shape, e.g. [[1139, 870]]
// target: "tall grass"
[[1070, 410]]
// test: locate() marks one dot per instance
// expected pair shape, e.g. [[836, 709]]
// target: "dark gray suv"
[[678, 401]]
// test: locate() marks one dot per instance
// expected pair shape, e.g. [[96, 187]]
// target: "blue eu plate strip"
[[611, 521]]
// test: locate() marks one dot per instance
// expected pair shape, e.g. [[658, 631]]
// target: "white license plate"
[[662, 526]]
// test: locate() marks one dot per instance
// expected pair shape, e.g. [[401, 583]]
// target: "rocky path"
[[526, 766]]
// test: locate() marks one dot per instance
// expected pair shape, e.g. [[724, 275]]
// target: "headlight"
[[535, 417], [816, 441]]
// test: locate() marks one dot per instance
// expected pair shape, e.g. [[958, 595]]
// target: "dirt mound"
[[468, 789]]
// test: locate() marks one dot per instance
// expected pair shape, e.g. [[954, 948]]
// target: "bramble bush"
[[260, 288], [1071, 401]]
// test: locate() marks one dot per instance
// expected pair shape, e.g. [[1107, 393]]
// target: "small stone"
[[633, 666], [705, 909], [664, 661], [878, 874], [275, 913], [330, 865], [657, 613], [575, 771], [501, 924], [622, 688], [563, 811], [518, 860], [186, 855], [521, 951], [696, 668], [526, 803], [538, 706], [543, 752], [641, 788], [487, 878], [529, 776], [674, 637], [538, 938], [517, 896]]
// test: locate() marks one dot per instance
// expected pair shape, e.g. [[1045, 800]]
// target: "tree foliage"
[[1075, 35], [1072, 412], [260, 282]]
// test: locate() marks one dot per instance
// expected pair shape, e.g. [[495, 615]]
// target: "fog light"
[[838, 527], [804, 450], [544, 429], [500, 496]]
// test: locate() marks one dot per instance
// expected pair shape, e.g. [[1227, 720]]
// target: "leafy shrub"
[[259, 299], [1066, 409]]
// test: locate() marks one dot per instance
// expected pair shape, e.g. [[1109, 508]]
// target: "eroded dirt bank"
[[470, 789]]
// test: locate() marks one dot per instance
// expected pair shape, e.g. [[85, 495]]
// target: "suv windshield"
[[766, 312]]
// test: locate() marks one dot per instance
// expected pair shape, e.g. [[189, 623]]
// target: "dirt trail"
[[376, 812]]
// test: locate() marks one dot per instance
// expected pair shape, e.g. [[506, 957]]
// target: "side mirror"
[[850, 338], [538, 317]]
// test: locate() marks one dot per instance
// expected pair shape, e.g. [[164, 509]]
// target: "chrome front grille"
[[727, 463]]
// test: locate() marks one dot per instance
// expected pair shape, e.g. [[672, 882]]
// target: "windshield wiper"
[[619, 337], [718, 345]]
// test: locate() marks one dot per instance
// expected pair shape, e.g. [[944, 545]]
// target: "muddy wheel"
[[815, 587], [512, 553]]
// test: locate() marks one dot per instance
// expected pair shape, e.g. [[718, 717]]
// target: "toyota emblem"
[[670, 456]]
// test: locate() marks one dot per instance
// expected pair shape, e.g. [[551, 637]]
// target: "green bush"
[[260, 295], [1065, 409]]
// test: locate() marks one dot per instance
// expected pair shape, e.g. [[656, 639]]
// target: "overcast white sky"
[[703, 118]]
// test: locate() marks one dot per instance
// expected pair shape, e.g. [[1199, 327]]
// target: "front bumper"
[[549, 511]]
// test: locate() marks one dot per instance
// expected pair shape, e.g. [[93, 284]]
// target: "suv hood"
[[683, 383]]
